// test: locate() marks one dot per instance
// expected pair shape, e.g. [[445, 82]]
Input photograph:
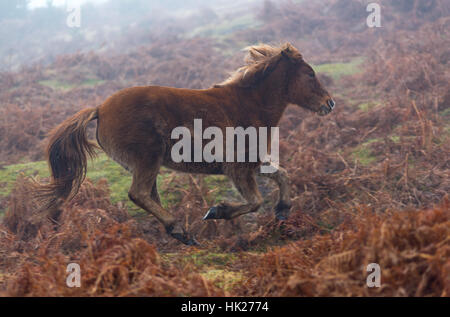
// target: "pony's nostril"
[[331, 103]]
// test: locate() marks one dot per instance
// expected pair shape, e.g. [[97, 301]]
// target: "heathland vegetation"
[[369, 182]]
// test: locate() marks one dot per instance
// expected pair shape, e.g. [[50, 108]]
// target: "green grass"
[[119, 179], [447, 129], [65, 86], [337, 70], [445, 112], [103, 167], [395, 138], [9, 174], [57, 85], [225, 27], [223, 279], [366, 106], [206, 258], [363, 153], [364, 156], [221, 189], [171, 185], [213, 266], [92, 82]]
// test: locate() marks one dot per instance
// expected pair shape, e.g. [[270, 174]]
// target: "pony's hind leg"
[[245, 182], [143, 193], [283, 206], [155, 195]]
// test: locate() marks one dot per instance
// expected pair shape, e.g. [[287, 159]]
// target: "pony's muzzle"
[[326, 109]]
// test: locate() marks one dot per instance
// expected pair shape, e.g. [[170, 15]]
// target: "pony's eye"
[[312, 75]]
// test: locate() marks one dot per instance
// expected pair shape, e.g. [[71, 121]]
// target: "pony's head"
[[304, 88]]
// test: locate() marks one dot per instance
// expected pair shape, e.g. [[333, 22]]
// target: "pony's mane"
[[260, 61]]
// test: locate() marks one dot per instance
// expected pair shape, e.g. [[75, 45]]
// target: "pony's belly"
[[192, 167]]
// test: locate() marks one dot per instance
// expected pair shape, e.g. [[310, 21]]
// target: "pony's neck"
[[271, 94]]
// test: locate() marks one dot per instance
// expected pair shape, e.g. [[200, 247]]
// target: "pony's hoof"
[[282, 211], [192, 242], [211, 214], [185, 239], [177, 232], [281, 217]]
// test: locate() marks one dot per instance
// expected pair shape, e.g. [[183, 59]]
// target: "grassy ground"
[[337, 70], [65, 86], [225, 27], [213, 266], [170, 184]]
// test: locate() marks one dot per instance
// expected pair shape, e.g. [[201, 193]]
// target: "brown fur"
[[67, 154], [135, 124]]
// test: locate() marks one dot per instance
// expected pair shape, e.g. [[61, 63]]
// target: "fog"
[[35, 31], [33, 4]]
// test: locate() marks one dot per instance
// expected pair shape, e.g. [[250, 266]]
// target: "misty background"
[[36, 30]]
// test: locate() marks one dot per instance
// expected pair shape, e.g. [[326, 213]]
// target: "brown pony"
[[134, 128]]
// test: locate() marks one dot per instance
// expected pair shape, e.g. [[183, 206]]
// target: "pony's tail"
[[67, 155]]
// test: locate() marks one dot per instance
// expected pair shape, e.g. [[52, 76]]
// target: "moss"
[[337, 70]]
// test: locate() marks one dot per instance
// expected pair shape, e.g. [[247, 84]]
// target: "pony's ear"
[[290, 52]]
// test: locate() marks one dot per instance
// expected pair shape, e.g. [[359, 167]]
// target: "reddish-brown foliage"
[[345, 215], [101, 238], [411, 247]]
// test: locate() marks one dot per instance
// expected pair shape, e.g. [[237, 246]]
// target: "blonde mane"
[[260, 61]]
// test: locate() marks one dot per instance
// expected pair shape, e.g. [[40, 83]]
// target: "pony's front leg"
[[283, 207], [245, 183]]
